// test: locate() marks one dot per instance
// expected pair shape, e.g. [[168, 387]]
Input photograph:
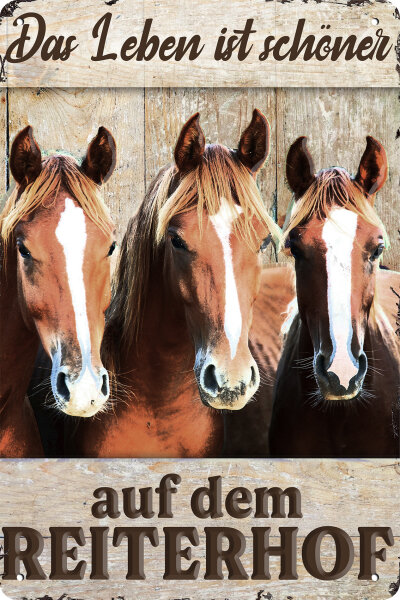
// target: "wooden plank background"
[[346, 494], [207, 18], [146, 123]]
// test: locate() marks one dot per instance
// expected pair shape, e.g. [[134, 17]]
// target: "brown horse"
[[56, 235], [188, 275], [337, 388]]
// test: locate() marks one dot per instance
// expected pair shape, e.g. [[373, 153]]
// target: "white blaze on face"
[[71, 233], [339, 233], [222, 223]]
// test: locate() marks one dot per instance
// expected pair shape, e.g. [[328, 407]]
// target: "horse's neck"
[[162, 359], [156, 406], [18, 345], [301, 427], [157, 411]]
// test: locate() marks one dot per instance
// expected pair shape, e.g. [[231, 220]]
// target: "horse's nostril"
[[104, 387], [253, 376], [210, 382], [62, 388], [362, 365]]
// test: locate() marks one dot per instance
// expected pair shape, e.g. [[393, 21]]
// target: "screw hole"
[[375, 577], [20, 21], [20, 577], [375, 21]]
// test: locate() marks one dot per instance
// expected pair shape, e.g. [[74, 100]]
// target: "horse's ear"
[[25, 157], [299, 167], [101, 157], [190, 146], [253, 147], [373, 169]]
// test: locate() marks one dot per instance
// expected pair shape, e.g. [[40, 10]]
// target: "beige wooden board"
[[154, 587], [207, 18], [336, 123], [346, 494]]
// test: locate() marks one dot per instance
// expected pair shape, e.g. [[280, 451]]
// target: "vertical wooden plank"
[[224, 114], [3, 146], [336, 123], [67, 119]]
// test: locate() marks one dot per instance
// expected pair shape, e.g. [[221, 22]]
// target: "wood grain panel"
[[4, 175], [186, 18], [371, 485], [347, 494]]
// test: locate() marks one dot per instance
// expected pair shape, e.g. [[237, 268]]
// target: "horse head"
[[336, 239], [64, 237], [215, 229]]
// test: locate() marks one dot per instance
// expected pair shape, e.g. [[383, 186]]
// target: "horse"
[[176, 338], [337, 385], [56, 237]]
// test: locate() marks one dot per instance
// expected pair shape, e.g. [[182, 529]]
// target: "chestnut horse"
[[188, 275], [337, 388], [56, 235]]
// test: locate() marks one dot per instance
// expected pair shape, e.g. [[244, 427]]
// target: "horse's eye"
[[295, 250], [178, 242], [378, 252], [112, 248], [23, 250], [265, 243]]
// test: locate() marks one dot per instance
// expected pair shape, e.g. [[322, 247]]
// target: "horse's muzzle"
[[223, 390], [81, 396], [329, 383]]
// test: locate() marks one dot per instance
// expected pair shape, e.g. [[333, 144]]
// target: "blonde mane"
[[219, 175], [57, 172], [332, 187]]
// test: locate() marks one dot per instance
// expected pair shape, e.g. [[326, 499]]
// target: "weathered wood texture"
[[146, 124], [4, 140], [207, 18], [343, 494]]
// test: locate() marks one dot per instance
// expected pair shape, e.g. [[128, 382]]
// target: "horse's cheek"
[[184, 285], [28, 292], [99, 291]]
